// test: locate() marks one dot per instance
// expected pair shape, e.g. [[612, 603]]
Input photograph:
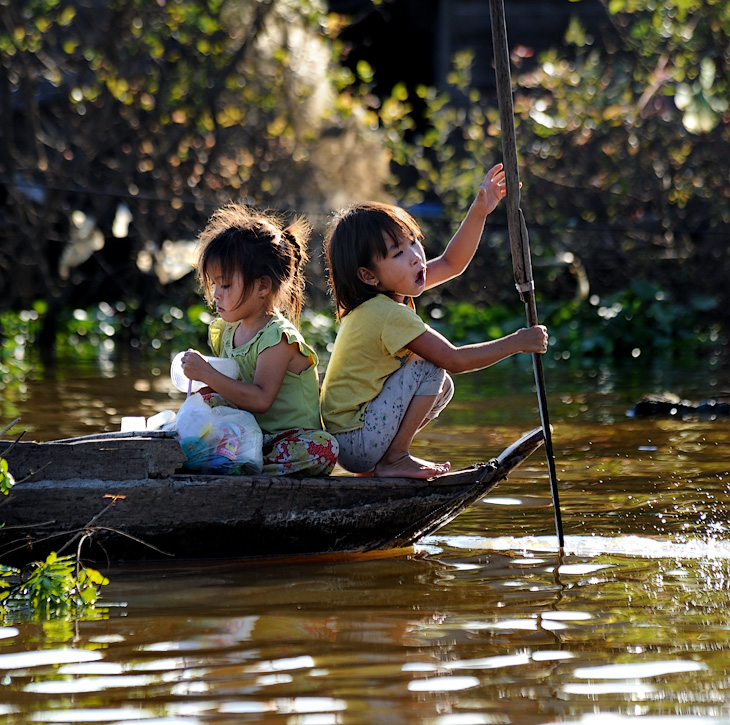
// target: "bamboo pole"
[[519, 240]]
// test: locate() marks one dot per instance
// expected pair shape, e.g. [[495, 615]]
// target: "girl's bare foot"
[[364, 474], [407, 466]]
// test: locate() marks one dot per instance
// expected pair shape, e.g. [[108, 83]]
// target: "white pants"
[[361, 449]]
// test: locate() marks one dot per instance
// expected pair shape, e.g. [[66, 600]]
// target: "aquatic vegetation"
[[99, 330], [56, 587], [641, 321], [7, 481]]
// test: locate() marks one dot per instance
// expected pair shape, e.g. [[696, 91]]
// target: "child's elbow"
[[260, 404], [454, 363], [261, 407]]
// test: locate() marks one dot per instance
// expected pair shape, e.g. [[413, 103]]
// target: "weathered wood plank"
[[117, 459]]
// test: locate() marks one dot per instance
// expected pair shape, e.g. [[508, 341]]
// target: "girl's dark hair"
[[356, 236], [255, 244]]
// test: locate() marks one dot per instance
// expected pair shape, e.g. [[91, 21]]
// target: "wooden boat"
[[128, 497]]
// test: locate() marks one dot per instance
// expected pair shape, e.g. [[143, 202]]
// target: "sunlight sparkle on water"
[[288, 663], [551, 655], [566, 615], [115, 715], [504, 501], [468, 718], [637, 670], [608, 719], [635, 689], [90, 684], [588, 546], [443, 684], [484, 622], [41, 658], [94, 668], [491, 663], [298, 705]]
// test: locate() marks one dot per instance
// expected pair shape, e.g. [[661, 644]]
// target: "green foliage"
[[7, 481], [319, 330], [687, 41], [99, 331], [103, 332], [178, 74], [17, 327], [640, 321], [104, 328], [56, 587], [465, 323], [451, 155], [618, 147], [618, 143], [163, 111], [641, 317]]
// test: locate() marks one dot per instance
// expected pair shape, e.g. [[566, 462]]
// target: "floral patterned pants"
[[300, 451], [361, 449]]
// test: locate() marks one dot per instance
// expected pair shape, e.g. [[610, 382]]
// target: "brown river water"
[[485, 621]]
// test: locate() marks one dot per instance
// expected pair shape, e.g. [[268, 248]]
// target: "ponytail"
[[295, 237]]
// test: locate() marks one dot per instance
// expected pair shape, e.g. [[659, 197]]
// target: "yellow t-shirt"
[[297, 403], [370, 346]]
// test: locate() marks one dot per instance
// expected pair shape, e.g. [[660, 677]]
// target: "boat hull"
[[192, 516]]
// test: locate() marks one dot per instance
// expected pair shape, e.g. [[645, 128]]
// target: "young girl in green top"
[[252, 270], [387, 377]]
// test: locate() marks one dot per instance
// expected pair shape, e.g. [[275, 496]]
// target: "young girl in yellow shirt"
[[387, 376]]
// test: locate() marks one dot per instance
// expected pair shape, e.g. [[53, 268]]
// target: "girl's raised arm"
[[460, 250]]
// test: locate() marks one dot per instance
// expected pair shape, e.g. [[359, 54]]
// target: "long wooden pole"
[[519, 240]]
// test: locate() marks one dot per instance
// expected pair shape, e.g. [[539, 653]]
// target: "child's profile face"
[[402, 272], [231, 298]]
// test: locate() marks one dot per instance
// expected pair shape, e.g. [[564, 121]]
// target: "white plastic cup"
[[224, 365]]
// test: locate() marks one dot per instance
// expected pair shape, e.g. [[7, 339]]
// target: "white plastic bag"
[[219, 439]]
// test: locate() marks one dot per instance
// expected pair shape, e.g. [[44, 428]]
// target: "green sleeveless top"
[[297, 404]]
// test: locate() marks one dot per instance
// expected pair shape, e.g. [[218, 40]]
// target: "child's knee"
[[432, 379], [444, 396], [324, 447], [447, 387]]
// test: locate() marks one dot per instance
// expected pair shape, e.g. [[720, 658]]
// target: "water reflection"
[[484, 622], [473, 632]]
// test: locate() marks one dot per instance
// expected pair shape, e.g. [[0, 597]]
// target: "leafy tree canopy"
[[618, 142], [127, 122]]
